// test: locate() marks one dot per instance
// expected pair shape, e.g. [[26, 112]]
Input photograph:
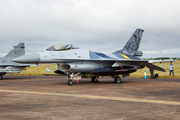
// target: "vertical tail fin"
[[18, 50], [132, 46]]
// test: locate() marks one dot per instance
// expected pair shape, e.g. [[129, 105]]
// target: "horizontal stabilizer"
[[153, 67]]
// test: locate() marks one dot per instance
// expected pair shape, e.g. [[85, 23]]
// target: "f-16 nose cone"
[[31, 58]]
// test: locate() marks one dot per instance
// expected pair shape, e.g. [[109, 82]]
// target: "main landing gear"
[[1, 77], [77, 76], [117, 80], [95, 79]]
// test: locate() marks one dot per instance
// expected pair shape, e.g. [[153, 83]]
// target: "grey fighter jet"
[[7, 66], [75, 61]]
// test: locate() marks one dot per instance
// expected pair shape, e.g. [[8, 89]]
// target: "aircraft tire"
[[94, 79], [70, 82], [1, 77], [117, 80], [156, 75]]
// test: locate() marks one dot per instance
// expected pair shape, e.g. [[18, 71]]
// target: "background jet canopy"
[[60, 47]]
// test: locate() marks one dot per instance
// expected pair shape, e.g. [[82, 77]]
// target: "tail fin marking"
[[16, 52], [132, 46]]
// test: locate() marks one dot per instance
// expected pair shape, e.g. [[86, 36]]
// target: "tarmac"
[[50, 98]]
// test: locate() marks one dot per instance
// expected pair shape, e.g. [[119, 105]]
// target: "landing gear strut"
[[117, 80], [72, 76], [95, 79], [1, 77]]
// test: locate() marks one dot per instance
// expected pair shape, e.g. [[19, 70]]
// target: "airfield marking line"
[[96, 97]]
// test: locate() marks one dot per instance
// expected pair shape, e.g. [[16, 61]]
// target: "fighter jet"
[[7, 66], [75, 61]]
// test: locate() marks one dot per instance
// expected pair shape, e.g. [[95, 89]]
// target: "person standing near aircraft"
[[171, 69]]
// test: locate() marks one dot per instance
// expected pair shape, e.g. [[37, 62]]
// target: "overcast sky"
[[97, 25]]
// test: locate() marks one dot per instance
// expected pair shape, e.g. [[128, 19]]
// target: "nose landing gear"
[[73, 76]]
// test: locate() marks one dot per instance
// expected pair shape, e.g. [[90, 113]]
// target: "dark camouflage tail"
[[132, 46], [18, 50]]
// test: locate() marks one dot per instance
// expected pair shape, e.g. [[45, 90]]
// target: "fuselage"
[[79, 60]]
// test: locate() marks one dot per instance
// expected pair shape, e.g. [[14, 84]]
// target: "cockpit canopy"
[[61, 47]]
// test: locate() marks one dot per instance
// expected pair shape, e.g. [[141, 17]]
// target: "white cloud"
[[93, 24]]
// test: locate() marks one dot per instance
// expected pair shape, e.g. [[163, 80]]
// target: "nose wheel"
[[70, 82]]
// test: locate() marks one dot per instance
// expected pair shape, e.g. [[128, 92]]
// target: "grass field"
[[40, 70], [140, 72]]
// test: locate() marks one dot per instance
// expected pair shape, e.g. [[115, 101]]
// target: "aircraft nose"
[[31, 58]]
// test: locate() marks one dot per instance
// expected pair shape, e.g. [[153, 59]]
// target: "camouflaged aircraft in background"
[[7, 66], [75, 61]]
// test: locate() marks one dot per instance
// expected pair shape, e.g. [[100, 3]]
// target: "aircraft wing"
[[11, 64], [153, 67], [22, 64], [133, 62], [144, 63]]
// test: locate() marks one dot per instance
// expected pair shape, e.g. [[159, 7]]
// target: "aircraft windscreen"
[[60, 47]]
